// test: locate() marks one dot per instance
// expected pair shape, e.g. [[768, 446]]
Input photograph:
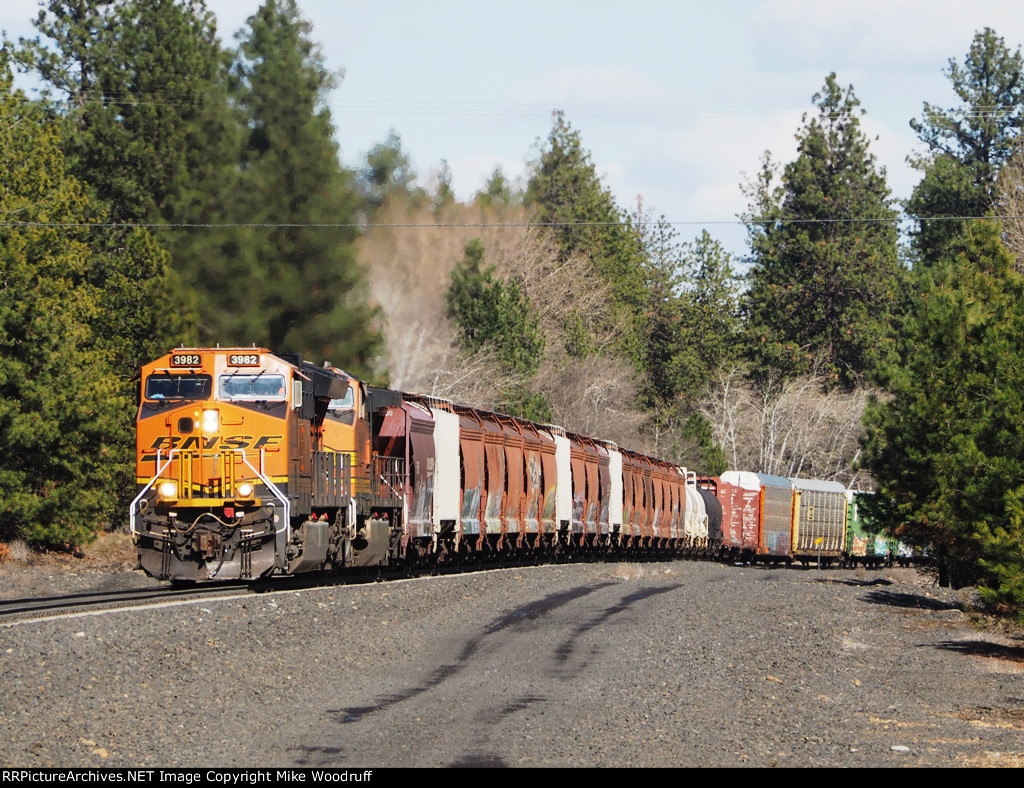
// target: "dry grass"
[[110, 551]]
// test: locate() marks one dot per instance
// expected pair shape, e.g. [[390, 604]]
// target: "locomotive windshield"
[[342, 409], [251, 387], [344, 403], [165, 386]]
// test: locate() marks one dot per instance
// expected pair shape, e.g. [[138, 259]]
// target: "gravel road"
[[623, 665]]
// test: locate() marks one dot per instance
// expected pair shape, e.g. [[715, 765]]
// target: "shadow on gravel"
[[478, 761], [877, 581], [525, 614], [568, 646], [985, 648], [918, 601]]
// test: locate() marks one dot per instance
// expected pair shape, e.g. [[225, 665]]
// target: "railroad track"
[[14, 610], [35, 607]]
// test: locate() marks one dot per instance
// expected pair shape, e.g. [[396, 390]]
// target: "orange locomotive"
[[250, 463]]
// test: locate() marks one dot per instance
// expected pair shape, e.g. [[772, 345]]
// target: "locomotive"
[[252, 464], [249, 464]]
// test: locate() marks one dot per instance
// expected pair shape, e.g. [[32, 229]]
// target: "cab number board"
[[186, 360], [243, 359]]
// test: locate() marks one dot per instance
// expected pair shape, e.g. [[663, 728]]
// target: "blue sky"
[[676, 102]]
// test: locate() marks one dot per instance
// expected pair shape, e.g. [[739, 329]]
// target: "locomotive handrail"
[[287, 527], [274, 491], [160, 469], [390, 474]]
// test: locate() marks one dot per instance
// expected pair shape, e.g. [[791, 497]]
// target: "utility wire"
[[503, 109], [448, 225]]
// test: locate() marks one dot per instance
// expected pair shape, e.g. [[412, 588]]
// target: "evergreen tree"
[[1002, 561], [967, 145], [495, 315], [493, 312], [947, 446], [444, 196], [498, 191], [691, 330], [388, 171], [692, 313], [711, 304], [295, 283], [668, 356], [139, 89], [565, 192], [65, 416], [825, 284], [143, 93]]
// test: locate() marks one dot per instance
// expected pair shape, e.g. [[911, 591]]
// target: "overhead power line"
[[473, 107], [441, 225]]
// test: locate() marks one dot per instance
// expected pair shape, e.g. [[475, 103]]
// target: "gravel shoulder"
[[625, 665]]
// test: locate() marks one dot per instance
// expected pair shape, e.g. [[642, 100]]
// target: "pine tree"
[[946, 447], [388, 171], [692, 312], [295, 283], [711, 303], [967, 145], [825, 284], [565, 192], [443, 196], [498, 192], [671, 362], [690, 335], [139, 89], [142, 90], [65, 414], [495, 315], [1002, 559]]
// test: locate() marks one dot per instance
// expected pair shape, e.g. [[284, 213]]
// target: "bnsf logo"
[[166, 443]]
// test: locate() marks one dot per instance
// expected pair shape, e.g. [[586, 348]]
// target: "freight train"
[[252, 464]]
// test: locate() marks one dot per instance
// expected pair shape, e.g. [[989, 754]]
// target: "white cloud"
[[890, 34]]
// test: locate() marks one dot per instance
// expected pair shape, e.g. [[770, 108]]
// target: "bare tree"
[[730, 408], [789, 427], [562, 288], [593, 396], [410, 252], [476, 379]]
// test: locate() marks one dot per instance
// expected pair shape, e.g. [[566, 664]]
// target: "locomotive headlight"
[[211, 422], [168, 491], [244, 490]]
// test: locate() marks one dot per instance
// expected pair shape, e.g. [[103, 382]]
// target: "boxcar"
[[740, 493]]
